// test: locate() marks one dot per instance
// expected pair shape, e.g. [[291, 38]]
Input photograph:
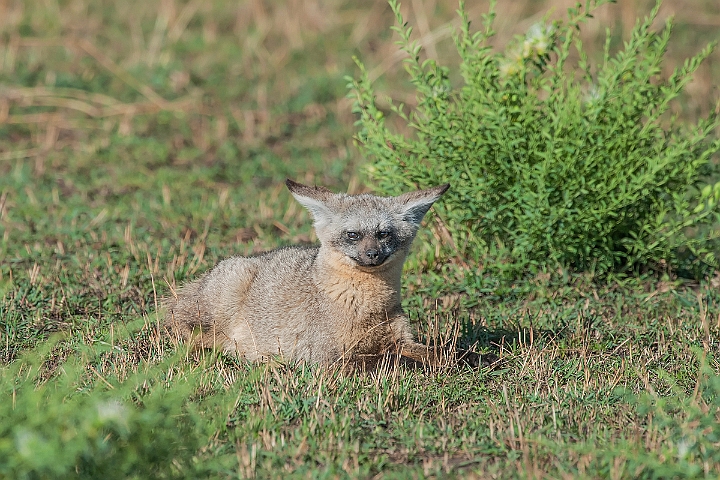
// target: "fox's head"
[[368, 230]]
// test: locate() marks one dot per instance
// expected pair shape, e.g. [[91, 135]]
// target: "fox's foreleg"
[[436, 355]]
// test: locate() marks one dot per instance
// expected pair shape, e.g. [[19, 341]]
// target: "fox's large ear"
[[416, 204], [313, 198]]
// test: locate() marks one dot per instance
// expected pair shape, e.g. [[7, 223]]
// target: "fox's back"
[[243, 293]]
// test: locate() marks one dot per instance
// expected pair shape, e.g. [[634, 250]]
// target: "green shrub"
[[553, 162], [78, 426], [689, 429], [681, 433]]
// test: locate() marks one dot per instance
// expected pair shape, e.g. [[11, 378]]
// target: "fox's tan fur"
[[336, 302]]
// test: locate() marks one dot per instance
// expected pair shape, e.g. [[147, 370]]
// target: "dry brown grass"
[[146, 35]]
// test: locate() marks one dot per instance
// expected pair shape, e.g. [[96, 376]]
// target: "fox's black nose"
[[372, 254]]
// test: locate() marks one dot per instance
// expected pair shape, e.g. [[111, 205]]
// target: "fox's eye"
[[383, 234], [353, 235]]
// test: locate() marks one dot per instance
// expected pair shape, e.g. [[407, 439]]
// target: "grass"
[[141, 142]]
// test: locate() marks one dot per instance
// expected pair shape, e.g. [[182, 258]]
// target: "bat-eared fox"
[[338, 302]]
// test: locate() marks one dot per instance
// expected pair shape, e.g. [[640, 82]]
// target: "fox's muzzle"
[[365, 261], [370, 253]]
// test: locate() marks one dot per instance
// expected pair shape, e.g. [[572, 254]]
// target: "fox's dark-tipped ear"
[[313, 198], [301, 189], [416, 204]]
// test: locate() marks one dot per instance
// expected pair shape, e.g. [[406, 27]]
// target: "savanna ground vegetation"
[[142, 142]]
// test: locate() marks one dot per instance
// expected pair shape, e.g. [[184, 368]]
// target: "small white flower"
[[515, 53], [438, 91], [111, 410], [27, 443], [683, 447], [539, 37], [527, 48], [536, 32], [592, 96], [508, 68], [541, 47]]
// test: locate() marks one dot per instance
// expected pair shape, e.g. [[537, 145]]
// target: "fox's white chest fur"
[[356, 292]]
